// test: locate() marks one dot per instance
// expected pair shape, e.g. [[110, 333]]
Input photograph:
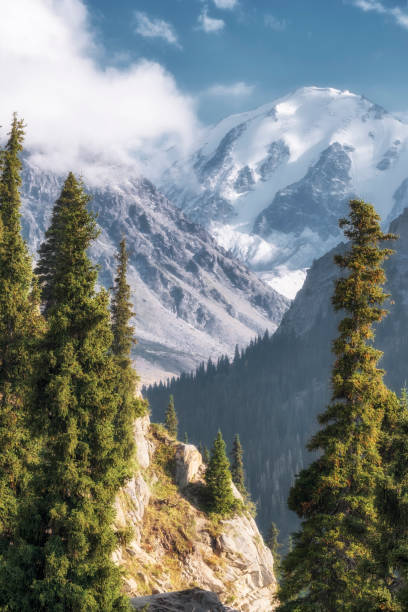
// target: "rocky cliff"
[[192, 300], [169, 543]]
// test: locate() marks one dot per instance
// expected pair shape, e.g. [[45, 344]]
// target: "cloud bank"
[[210, 24], [225, 4], [275, 24], [235, 89], [399, 16], [155, 28], [76, 110]]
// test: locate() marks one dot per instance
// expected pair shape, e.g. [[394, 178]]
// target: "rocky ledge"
[[176, 556], [190, 600]]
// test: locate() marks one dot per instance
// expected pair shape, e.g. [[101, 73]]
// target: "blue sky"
[[129, 81], [257, 50]]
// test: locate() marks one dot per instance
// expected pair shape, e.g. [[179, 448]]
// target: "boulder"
[[143, 448], [189, 465], [191, 600]]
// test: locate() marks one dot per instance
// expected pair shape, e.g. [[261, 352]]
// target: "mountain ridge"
[[253, 173], [192, 299]]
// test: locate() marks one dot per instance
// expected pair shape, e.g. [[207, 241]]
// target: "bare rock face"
[[176, 557], [191, 600], [189, 465], [143, 450], [250, 563]]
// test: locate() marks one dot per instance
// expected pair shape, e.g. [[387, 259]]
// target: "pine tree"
[[218, 479], [185, 439], [171, 422], [63, 560], [273, 544], [206, 456], [130, 406], [122, 312], [20, 327], [392, 501], [237, 466], [332, 565]]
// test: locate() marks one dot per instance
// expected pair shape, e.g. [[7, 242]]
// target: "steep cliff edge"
[[169, 543]]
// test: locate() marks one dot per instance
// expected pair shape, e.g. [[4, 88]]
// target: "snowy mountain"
[[270, 184], [192, 300]]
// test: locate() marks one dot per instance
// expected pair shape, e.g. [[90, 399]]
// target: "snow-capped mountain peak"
[[271, 183]]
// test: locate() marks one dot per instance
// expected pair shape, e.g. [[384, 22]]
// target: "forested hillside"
[[272, 392]]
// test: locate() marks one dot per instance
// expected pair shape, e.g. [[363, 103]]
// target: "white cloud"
[[235, 89], [400, 17], [225, 4], [155, 28], [210, 24], [74, 109], [275, 24]]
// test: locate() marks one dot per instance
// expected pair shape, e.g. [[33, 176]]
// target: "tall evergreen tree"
[[20, 327], [332, 565], [393, 501], [130, 406], [272, 543], [237, 466], [63, 560], [171, 421], [218, 479], [122, 311], [206, 455]]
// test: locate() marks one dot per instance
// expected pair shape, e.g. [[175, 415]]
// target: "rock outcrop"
[[175, 555], [190, 600]]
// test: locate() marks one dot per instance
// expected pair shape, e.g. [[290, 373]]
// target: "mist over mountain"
[[192, 300], [270, 184]]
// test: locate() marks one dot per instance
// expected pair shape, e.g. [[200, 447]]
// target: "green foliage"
[[333, 564], [123, 339], [404, 399], [218, 479], [272, 542], [62, 559], [20, 328], [206, 455], [392, 499], [171, 422], [123, 332], [237, 466], [185, 439]]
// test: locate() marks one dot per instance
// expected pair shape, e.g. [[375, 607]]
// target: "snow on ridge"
[[289, 155]]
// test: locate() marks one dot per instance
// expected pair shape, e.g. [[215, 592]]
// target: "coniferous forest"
[[67, 407], [203, 306], [69, 403]]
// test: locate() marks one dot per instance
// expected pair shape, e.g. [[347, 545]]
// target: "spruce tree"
[[218, 479], [273, 544], [122, 312], [171, 422], [393, 502], [20, 327], [64, 558], [333, 565], [130, 406], [237, 466], [206, 456]]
